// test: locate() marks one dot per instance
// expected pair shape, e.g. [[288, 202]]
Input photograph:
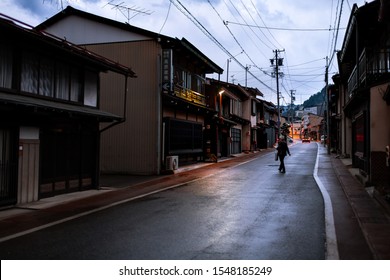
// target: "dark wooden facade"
[[49, 114], [360, 103], [168, 93]]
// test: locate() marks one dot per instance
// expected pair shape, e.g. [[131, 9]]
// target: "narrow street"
[[250, 211]]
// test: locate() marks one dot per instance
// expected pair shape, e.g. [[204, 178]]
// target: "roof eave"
[[63, 45]]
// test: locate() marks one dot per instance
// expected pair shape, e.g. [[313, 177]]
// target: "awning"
[[228, 121], [43, 104]]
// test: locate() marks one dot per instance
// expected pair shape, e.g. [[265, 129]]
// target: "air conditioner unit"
[[172, 163]]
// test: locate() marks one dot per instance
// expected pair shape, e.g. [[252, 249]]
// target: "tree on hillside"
[[316, 99]]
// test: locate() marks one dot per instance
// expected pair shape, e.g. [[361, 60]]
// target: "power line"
[[330, 42], [308, 62], [337, 33], [288, 79], [304, 75], [231, 33], [333, 36], [166, 18], [257, 11], [257, 25], [191, 17], [282, 28], [237, 11], [234, 37]]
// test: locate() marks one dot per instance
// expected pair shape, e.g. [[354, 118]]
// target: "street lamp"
[[220, 102], [218, 123]]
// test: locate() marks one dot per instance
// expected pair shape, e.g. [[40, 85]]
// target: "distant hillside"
[[316, 99]]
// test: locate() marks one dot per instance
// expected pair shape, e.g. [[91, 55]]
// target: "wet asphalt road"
[[250, 211]]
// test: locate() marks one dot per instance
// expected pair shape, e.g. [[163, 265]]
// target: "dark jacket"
[[283, 149]]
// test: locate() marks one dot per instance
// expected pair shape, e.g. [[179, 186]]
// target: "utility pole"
[[278, 62], [246, 75], [227, 70], [292, 112], [292, 91], [228, 62], [328, 138]]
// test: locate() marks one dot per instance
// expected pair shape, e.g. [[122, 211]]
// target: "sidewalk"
[[362, 228], [372, 217], [362, 225]]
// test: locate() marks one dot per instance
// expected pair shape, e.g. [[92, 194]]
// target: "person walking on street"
[[282, 152]]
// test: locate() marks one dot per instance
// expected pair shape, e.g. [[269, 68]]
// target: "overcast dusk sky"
[[249, 30]]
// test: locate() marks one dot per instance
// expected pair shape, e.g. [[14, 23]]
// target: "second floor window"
[[45, 76], [5, 66], [253, 107], [188, 80], [37, 76], [62, 82], [236, 107], [29, 78], [91, 82], [267, 117], [76, 85]]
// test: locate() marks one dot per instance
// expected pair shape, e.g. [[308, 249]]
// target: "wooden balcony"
[[373, 66], [190, 95]]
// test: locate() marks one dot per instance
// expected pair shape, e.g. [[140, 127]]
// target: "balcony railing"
[[372, 66], [190, 95]]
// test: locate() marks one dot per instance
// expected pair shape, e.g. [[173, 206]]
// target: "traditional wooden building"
[[267, 117], [232, 129], [364, 91], [166, 112], [335, 116], [49, 113], [311, 126], [251, 112]]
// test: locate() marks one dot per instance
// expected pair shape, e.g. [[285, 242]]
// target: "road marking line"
[[330, 231]]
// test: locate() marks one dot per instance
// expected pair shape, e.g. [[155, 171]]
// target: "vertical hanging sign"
[[167, 71]]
